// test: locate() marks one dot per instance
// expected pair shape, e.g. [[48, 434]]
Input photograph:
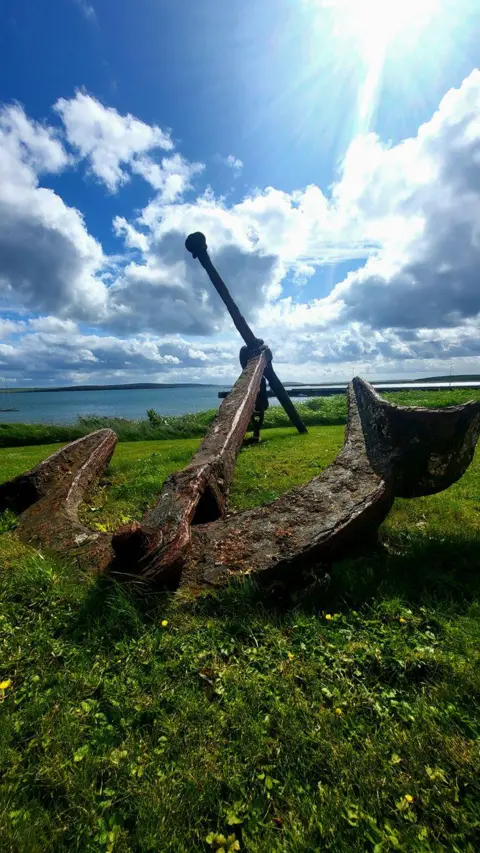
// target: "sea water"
[[64, 407]]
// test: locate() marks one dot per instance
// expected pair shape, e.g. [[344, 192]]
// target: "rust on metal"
[[196, 244], [199, 493], [421, 450], [186, 538], [319, 522], [51, 493]]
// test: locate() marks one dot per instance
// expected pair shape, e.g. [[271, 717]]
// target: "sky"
[[328, 149]]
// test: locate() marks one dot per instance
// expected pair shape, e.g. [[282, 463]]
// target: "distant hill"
[[134, 386], [146, 386], [470, 377]]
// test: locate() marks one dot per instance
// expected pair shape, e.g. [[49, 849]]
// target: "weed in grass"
[[8, 521]]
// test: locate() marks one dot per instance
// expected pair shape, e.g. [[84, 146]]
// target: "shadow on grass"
[[411, 566], [414, 568], [114, 610]]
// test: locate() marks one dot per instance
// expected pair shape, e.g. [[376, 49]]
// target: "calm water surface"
[[65, 406]]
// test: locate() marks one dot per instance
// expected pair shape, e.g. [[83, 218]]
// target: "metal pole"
[[283, 398], [196, 244]]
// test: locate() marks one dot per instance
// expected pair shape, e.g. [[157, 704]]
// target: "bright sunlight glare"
[[371, 26], [375, 23]]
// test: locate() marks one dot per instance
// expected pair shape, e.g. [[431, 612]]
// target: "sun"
[[376, 23], [371, 30]]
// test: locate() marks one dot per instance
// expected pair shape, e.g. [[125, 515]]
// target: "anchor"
[[187, 540], [196, 244]]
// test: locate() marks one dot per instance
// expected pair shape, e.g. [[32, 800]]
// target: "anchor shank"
[[156, 549], [239, 321], [283, 398], [196, 244]]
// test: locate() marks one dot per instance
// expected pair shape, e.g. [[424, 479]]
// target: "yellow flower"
[[338, 712], [409, 798], [328, 616], [402, 620], [291, 656], [164, 623], [4, 685]]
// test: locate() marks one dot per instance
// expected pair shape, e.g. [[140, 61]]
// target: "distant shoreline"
[[149, 386], [136, 386]]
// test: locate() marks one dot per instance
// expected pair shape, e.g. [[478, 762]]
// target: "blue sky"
[[330, 154]]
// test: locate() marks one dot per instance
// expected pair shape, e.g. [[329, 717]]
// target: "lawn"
[[344, 718]]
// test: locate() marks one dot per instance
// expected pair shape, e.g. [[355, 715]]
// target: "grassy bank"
[[318, 411], [344, 719]]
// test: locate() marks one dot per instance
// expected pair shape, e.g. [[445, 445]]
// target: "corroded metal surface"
[[159, 544], [57, 487], [389, 451], [261, 403], [186, 539], [196, 244], [421, 450], [23, 491], [304, 528]]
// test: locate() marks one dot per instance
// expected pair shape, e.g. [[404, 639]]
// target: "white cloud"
[[110, 141], [10, 327], [47, 353], [409, 212], [172, 177], [234, 163], [132, 238], [423, 196], [28, 145], [53, 325], [168, 291], [48, 260]]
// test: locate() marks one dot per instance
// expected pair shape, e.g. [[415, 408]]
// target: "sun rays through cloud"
[[369, 27], [329, 149]]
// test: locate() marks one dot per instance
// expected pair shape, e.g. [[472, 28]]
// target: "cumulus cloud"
[[48, 260], [111, 142], [425, 195], [28, 145], [168, 291], [53, 325], [172, 177], [407, 214], [49, 353], [10, 327], [234, 163]]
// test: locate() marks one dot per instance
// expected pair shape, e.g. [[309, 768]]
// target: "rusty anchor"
[[187, 539]]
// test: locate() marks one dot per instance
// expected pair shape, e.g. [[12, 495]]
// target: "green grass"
[[250, 713], [318, 411]]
